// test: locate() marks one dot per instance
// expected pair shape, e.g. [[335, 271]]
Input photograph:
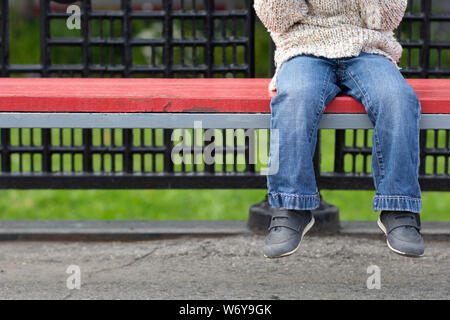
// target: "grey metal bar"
[[188, 120]]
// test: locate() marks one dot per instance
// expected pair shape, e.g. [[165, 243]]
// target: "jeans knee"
[[296, 102], [399, 104], [299, 93]]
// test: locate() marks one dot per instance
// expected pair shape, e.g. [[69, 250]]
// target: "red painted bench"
[[178, 103]]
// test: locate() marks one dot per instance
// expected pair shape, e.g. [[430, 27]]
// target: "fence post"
[[4, 41]]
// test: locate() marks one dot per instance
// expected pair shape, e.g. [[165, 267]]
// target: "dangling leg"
[[394, 109], [305, 85]]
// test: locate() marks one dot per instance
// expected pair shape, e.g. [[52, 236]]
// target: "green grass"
[[180, 204], [171, 204], [127, 204]]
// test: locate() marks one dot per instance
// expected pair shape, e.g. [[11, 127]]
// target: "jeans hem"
[[397, 203], [294, 201]]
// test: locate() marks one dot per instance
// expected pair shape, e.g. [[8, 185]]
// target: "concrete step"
[[139, 230]]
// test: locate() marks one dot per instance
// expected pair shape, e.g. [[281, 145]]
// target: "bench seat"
[[177, 103]]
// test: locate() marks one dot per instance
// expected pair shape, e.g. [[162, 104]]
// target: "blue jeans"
[[305, 85]]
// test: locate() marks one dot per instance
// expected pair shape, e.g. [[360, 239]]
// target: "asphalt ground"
[[342, 266]]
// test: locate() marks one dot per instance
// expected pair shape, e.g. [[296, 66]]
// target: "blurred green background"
[[183, 204]]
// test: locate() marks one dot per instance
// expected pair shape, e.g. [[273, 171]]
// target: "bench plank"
[[188, 120], [197, 95]]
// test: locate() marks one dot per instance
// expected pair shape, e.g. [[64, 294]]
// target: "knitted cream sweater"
[[331, 28]]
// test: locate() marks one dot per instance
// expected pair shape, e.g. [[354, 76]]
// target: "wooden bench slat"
[[176, 95], [178, 120]]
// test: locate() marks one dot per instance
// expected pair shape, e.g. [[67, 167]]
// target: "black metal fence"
[[185, 39], [4, 41], [181, 41]]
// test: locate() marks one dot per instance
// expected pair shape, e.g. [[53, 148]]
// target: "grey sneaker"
[[286, 231], [402, 230]]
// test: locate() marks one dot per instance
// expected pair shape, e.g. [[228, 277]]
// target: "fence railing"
[[189, 39]]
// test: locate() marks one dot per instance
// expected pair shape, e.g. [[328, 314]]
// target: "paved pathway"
[[230, 267]]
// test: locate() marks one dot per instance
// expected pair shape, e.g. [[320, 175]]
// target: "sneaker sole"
[[307, 228], [383, 228]]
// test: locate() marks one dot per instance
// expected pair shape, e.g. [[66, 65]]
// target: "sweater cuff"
[[371, 14], [384, 15], [280, 15]]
